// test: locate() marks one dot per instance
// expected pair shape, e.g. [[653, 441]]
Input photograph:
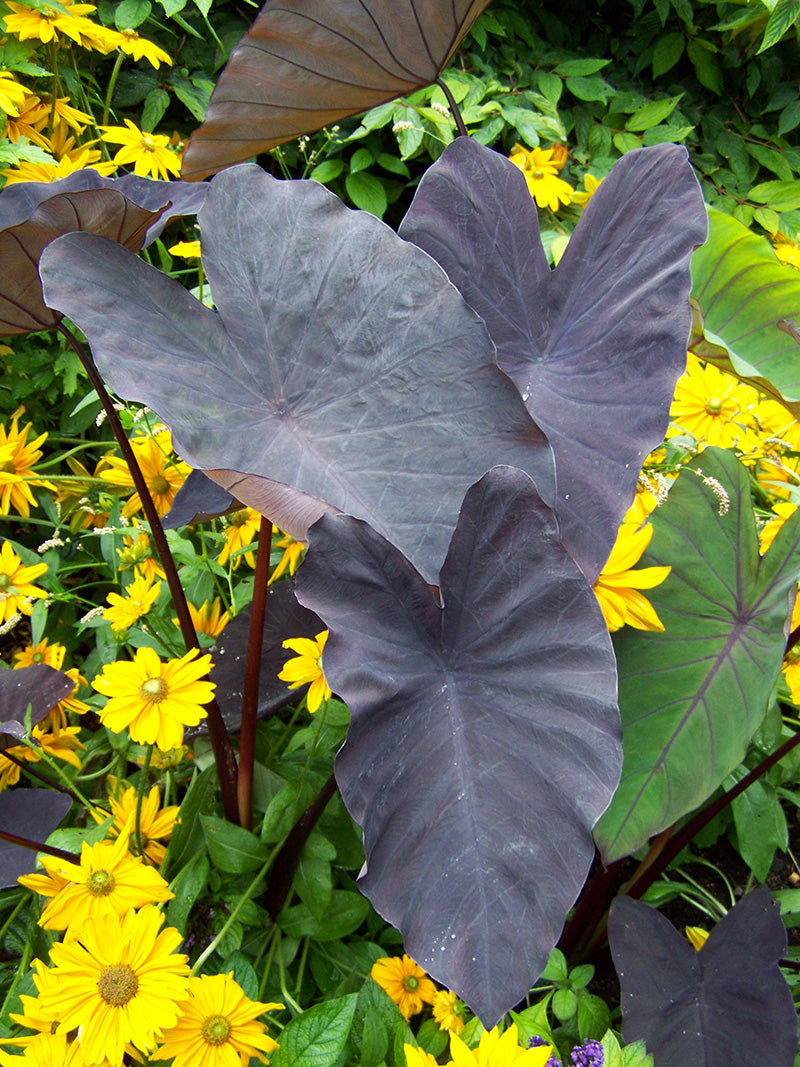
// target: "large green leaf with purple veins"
[[596, 346], [750, 309], [484, 739], [341, 371], [692, 697], [727, 1004], [304, 64]]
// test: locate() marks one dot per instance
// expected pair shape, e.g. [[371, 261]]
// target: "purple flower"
[[589, 1054], [537, 1042]]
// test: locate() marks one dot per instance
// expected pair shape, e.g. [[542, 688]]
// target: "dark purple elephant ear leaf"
[[100, 211], [341, 370], [198, 500], [596, 346], [476, 728], [32, 814], [305, 64], [726, 1004], [39, 687]]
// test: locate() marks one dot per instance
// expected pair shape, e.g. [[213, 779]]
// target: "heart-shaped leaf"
[[477, 728], [29, 813], [750, 306], [305, 64], [596, 346], [726, 1004], [342, 369], [692, 697], [39, 688], [130, 210]]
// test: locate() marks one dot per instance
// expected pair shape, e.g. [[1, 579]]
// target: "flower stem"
[[462, 129], [144, 775], [255, 640], [112, 84], [221, 743]]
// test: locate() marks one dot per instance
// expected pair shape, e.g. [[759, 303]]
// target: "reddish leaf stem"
[[39, 846]]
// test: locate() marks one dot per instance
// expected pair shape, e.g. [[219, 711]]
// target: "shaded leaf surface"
[[284, 618], [40, 686], [728, 1003], [198, 500], [692, 697], [341, 369], [596, 346], [476, 728], [750, 305], [30, 813], [305, 64]]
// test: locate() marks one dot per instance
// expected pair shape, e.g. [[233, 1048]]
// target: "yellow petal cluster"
[[540, 171], [617, 587], [306, 668], [405, 982]]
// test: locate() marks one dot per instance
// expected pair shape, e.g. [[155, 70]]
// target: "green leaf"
[[626, 142], [327, 170], [191, 95], [760, 823], [581, 67], [360, 160], [187, 887], [534, 1021], [556, 969], [727, 271], [367, 193], [243, 973], [666, 135], [314, 883], [591, 88], [666, 53], [233, 849], [345, 914], [692, 697], [524, 120], [706, 65], [789, 118], [772, 160], [317, 1037], [564, 1004], [393, 165], [636, 1055], [652, 114], [549, 85], [781, 196], [594, 1016], [612, 1054], [131, 13], [581, 976], [285, 809], [155, 104], [784, 15], [187, 837]]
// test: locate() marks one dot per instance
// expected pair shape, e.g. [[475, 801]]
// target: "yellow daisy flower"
[[306, 668], [121, 980], [448, 1011], [83, 159], [58, 743], [541, 174], [712, 406], [149, 152], [33, 116], [17, 457], [16, 591], [34, 1016], [208, 619], [42, 652], [769, 532], [242, 527], [126, 610], [418, 1057], [155, 826], [163, 474], [138, 554], [405, 982], [155, 700], [46, 1050], [617, 588], [292, 554], [46, 25], [218, 1026], [697, 935], [12, 94], [58, 717], [137, 47], [590, 187], [786, 250], [498, 1050], [185, 249], [108, 881]]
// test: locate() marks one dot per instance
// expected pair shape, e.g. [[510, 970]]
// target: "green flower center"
[[132, 35], [216, 1030], [158, 485], [37, 657], [411, 983], [8, 467], [100, 883], [538, 173], [239, 518], [5, 582], [154, 690], [117, 984], [714, 405]]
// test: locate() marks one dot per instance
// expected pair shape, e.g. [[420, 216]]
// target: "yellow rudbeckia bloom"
[[498, 1050], [617, 588], [306, 668]]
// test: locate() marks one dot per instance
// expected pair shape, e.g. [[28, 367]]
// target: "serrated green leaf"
[[367, 193], [789, 118], [581, 67], [626, 142], [564, 1004], [550, 85], [666, 52], [652, 114], [666, 135], [534, 1021], [594, 1016], [317, 1037], [187, 837], [767, 218], [232, 849], [760, 823], [706, 65], [187, 887], [772, 160], [361, 159], [612, 1054], [593, 88], [191, 95], [784, 15], [131, 13], [692, 697], [327, 171], [781, 196], [155, 104], [393, 165], [345, 914]]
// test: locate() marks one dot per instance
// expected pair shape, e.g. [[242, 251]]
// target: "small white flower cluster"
[[440, 108], [400, 126], [9, 624], [54, 542], [91, 615], [718, 490]]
